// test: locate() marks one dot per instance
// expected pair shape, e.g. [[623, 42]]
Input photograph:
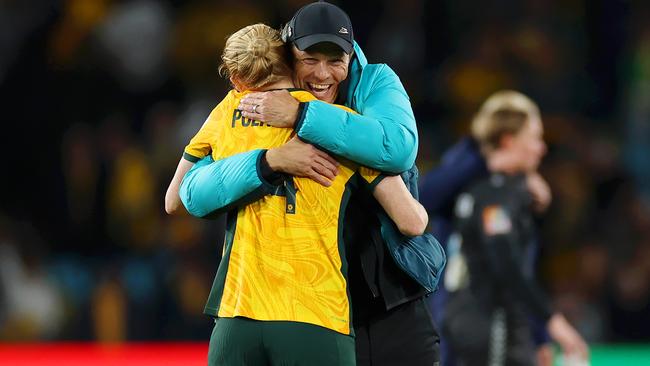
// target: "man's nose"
[[322, 72]]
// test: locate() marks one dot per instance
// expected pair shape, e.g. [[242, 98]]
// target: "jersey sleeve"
[[503, 256], [370, 177], [200, 146]]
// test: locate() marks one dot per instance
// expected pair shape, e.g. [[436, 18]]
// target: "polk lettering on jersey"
[[245, 122], [496, 220]]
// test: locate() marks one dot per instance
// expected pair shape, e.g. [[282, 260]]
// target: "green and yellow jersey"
[[283, 256]]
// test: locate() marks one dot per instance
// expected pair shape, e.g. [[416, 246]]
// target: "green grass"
[[618, 355]]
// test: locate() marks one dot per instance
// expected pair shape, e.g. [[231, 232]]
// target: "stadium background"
[[98, 98]]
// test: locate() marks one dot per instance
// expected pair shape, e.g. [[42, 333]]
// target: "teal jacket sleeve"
[[213, 187], [382, 136]]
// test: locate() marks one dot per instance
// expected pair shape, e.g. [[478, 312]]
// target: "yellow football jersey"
[[283, 256]]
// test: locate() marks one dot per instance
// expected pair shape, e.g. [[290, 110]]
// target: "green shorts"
[[243, 341]]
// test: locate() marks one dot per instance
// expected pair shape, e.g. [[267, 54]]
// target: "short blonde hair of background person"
[[504, 112], [256, 56]]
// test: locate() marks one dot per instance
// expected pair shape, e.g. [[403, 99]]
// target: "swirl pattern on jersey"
[[281, 266]]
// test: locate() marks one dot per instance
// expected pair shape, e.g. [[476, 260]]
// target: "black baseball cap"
[[319, 22]]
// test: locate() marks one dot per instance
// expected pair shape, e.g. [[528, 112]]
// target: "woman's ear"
[[237, 84], [505, 141]]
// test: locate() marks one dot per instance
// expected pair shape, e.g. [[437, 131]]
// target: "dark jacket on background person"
[[460, 165], [487, 311]]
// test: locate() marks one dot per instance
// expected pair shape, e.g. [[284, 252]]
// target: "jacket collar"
[[359, 56], [357, 64]]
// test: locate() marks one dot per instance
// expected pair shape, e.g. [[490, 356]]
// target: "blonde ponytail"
[[256, 56]]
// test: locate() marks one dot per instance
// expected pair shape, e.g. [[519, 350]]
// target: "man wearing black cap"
[[392, 322]]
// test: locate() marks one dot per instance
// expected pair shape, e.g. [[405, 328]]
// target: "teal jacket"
[[382, 136]]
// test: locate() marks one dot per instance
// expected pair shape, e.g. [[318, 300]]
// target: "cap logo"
[[286, 33], [343, 30]]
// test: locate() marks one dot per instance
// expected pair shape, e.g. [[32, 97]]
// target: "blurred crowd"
[[99, 98]]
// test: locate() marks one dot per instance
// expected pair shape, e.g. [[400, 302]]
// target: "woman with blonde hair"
[[280, 295], [492, 290]]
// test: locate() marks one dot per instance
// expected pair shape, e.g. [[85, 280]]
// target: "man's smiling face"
[[320, 69]]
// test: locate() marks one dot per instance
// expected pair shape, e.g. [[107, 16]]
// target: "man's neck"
[[342, 96]]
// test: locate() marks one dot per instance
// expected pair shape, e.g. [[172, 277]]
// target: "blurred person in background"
[[462, 165], [392, 321], [265, 288], [491, 290], [31, 306]]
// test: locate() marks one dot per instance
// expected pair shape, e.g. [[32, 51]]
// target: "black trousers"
[[481, 333], [404, 335]]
